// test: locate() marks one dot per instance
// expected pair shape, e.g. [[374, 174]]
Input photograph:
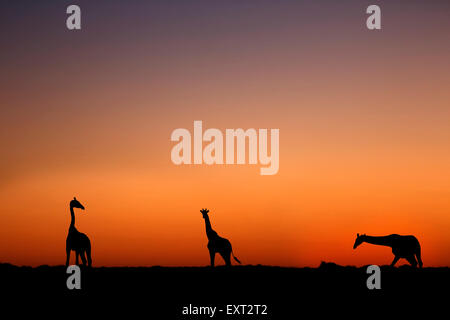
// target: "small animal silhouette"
[[407, 247], [77, 241], [217, 244]]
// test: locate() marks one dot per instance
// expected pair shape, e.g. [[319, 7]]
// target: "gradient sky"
[[364, 119]]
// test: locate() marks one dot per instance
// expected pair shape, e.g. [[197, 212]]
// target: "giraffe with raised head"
[[77, 241], [217, 244], [407, 247]]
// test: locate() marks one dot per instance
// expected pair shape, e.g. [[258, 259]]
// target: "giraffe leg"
[[88, 254], [419, 258], [67, 255], [77, 255], [212, 255], [412, 260], [83, 258], [226, 257], [394, 261]]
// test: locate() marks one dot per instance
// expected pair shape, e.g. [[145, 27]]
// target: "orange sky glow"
[[364, 123]]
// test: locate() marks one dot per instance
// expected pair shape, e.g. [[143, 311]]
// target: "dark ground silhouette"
[[289, 293]]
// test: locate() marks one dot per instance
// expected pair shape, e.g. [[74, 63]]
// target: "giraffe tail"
[[237, 260]]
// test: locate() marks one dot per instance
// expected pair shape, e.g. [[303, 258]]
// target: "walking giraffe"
[[407, 247]]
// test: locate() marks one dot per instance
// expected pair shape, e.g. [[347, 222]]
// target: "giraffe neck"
[[209, 230], [72, 217], [382, 241]]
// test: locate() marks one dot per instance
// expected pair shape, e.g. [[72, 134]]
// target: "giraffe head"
[[204, 213], [359, 240], [76, 204]]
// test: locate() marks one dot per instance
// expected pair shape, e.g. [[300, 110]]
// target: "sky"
[[364, 120]]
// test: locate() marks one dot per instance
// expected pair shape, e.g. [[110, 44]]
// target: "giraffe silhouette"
[[407, 247], [217, 244], [77, 241]]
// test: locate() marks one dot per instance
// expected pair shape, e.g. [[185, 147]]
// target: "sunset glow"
[[363, 119]]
